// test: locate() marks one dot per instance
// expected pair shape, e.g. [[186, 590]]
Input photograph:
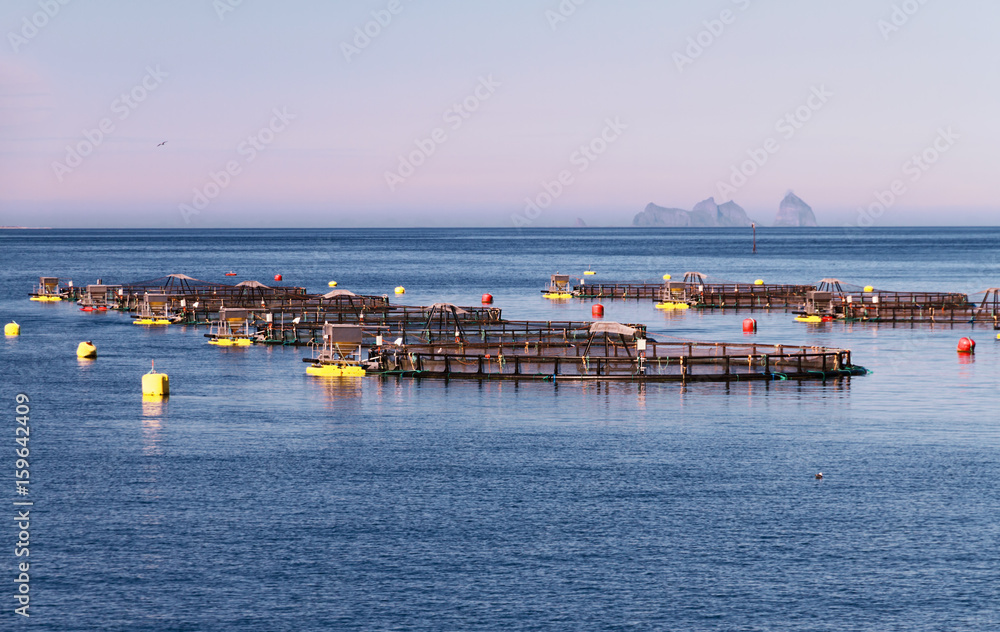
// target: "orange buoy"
[[597, 311], [277, 277], [966, 345], [749, 325], [487, 298]]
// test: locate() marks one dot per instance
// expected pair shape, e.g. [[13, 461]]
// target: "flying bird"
[[162, 144]]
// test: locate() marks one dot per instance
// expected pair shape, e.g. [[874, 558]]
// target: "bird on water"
[[819, 475]]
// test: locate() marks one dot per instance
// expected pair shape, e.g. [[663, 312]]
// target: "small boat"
[[335, 370], [230, 273], [809, 319], [152, 321]]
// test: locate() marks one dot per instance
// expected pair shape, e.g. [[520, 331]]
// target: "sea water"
[[257, 498]]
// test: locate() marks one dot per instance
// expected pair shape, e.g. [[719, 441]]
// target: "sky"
[[309, 113]]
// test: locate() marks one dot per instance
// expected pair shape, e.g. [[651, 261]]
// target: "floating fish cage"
[[614, 352], [697, 290], [876, 310], [441, 322]]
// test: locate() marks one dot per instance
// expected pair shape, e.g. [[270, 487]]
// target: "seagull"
[[162, 144]]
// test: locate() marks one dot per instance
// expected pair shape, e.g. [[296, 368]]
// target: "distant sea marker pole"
[[753, 225]]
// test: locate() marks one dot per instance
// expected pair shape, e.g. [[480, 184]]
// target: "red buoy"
[[749, 325], [597, 311], [966, 345], [487, 298], [277, 277]]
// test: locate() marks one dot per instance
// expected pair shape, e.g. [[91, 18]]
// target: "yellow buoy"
[[155, 384], [666, 277], [672, 305], [335, 370], [12, 329], [589, 273], [759, 282], [869, 288], [332, 284], [809, 319], [86, 350], [400, 289]]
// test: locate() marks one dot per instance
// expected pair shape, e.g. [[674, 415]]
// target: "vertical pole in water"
[[753, 225]]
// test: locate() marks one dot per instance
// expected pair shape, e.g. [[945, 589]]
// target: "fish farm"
[[358, 334], [355, 334]]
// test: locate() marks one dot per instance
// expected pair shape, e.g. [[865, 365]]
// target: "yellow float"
[[672, 305], [86, 350], [12, 329], [557, 295]]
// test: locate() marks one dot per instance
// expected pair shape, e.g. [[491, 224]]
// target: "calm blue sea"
[[257, 498]]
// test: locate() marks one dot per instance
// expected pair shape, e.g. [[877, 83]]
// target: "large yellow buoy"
[[869, 288], [666, 277], [12, 329], [332, 284], [86, 350], [759, 282], [400, 289], [155, 384]]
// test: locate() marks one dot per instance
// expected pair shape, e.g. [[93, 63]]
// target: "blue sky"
[[456, 113]]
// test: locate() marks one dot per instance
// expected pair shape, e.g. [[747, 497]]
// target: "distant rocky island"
[[707, 214], [704, 214], [794, 212]]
